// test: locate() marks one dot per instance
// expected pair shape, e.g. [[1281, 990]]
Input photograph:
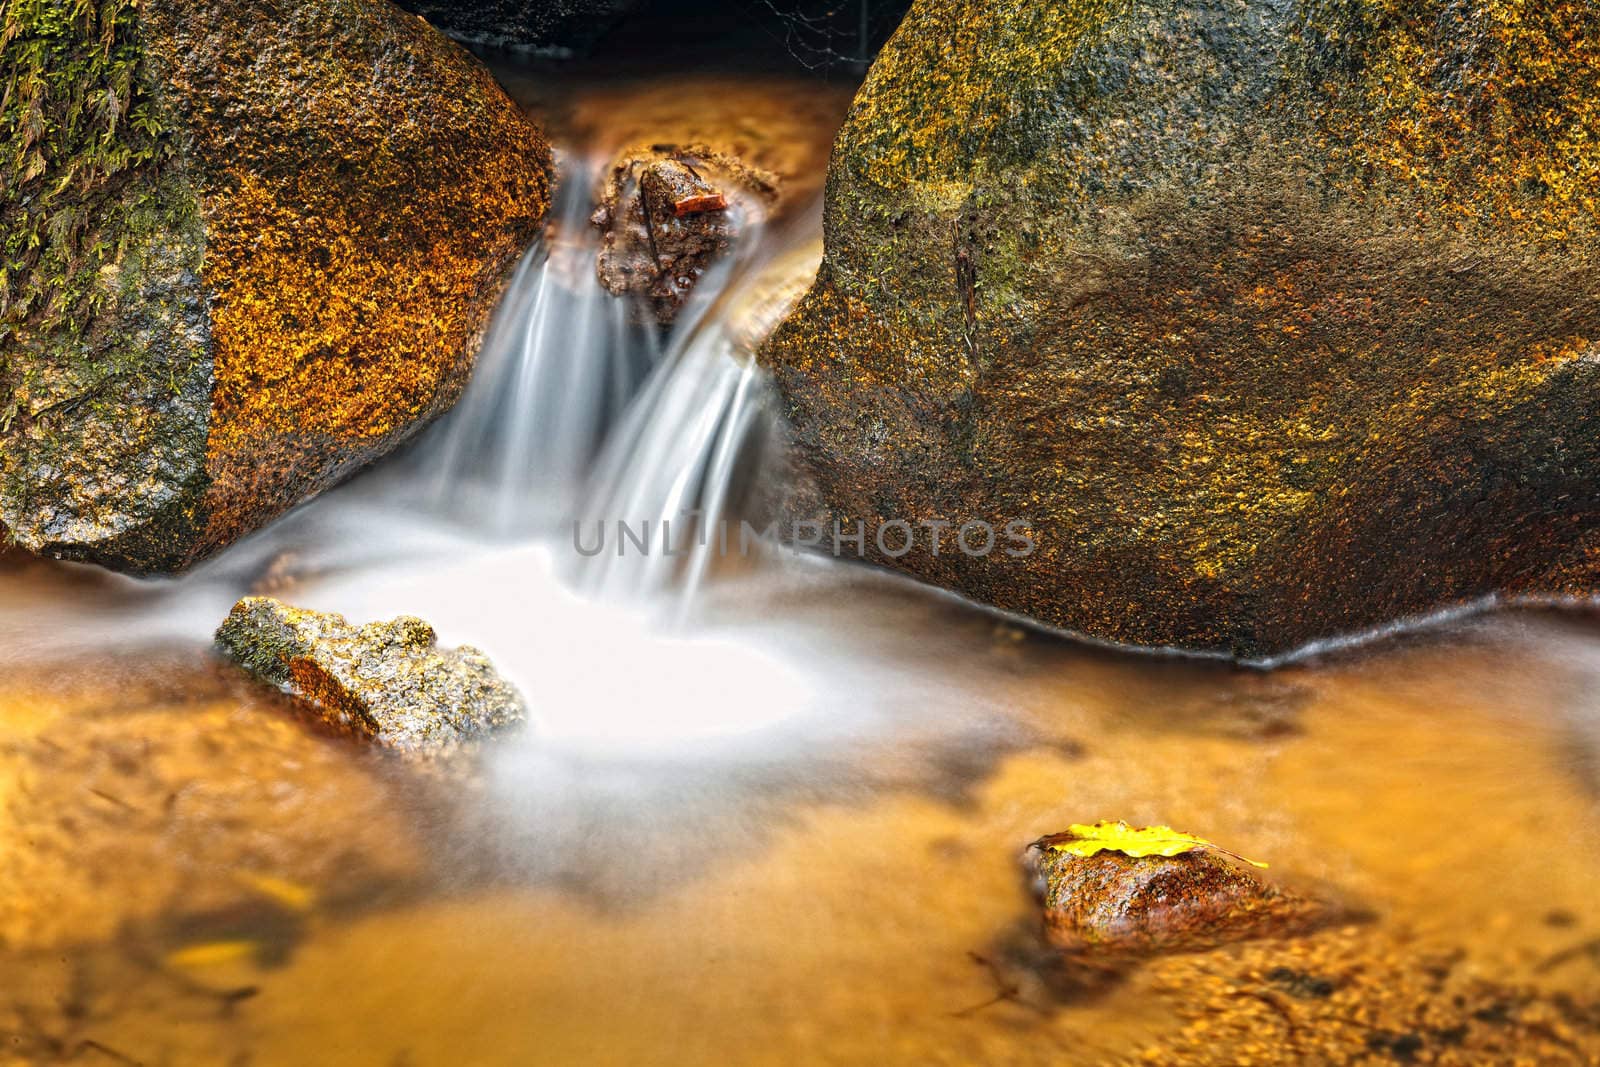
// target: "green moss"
[[80, 124], [102, 247], [106, 446]]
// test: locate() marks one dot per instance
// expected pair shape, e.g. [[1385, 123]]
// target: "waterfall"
[[676, 471], [575, 410], [668, 473], [579, 417], [559, 362]]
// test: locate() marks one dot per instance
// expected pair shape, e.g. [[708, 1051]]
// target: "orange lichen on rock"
[[1488, 110], [352, 285], [352, 188]]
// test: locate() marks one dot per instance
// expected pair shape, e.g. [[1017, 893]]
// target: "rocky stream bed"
[[1259, 335]]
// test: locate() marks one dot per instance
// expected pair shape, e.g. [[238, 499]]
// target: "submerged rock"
[[1110, 909], [667, 214], [1362, 996], [188, 792], [386, 681], [248, 249], [1277, 320]]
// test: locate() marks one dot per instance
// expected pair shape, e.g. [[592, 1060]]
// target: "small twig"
[[108, 798], [1590, 948], [232, 997], [1005, 991], [1275, 1004], [91, 1045]]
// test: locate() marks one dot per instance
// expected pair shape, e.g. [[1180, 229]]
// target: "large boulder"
[[387, 682], [1277, 319], [249, 247]]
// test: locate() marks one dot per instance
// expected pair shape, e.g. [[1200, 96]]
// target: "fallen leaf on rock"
[[1084, 840]]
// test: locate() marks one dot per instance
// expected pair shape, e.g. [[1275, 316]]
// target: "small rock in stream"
[[388, 682], [667, 213], [1113, 909]]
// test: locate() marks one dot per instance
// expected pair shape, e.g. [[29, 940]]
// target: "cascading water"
[[575, 409], [664, 499], [584, 424], [558, 365], [578, 411], [663, 486], [577, 418]]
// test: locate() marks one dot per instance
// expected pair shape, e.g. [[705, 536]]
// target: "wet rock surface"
[[1277, 320], [543, 24], [386, 681], [262, 259], [667, 214], [1110, 909], [770, 295]]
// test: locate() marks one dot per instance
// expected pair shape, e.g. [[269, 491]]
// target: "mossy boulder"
[[1278, 320], [248, 248], [388, 682]]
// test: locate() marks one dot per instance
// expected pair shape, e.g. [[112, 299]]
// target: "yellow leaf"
[[291, 895], [211, 953], [1082, 840]]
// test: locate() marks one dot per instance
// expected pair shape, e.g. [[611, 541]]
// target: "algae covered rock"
[[386, 681], [248, 248], [1277, 320]]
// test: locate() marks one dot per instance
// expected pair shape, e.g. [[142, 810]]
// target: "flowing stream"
[[771, 807], [503, 523], [560, 362]]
